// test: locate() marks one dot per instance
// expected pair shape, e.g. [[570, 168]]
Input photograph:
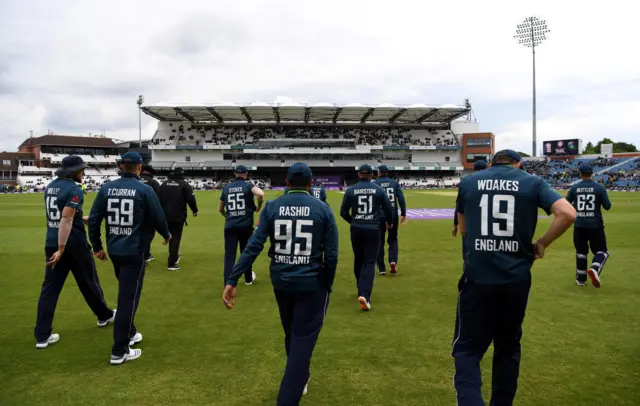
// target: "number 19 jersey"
[[500, 205], [238, 204], [59, 194]]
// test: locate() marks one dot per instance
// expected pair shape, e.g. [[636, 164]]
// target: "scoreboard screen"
[[561, 147]]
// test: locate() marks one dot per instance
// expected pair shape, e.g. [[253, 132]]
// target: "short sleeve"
[[546, 196], [222, 195], [75, 198], [459, 198]]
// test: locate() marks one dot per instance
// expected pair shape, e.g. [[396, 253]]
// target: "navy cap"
[[132, 158], [586, 169], [299, 171], [365, 168], [479, 165], [241, 169], [507, 153], [383, 168], [70, 164]]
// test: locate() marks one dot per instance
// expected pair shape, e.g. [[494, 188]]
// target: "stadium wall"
[[195, 156], [479, 150]]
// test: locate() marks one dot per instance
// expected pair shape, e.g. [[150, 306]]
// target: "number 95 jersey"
[[59, 194], [500, 206]]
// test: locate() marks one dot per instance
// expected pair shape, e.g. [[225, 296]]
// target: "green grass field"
[[581, 346]]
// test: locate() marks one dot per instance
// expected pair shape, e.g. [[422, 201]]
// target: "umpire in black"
[[175, 195], [147, 178]]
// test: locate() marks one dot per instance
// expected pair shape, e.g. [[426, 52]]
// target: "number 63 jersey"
[[500, 206], [59, 194], [131, 211], [588, 198]]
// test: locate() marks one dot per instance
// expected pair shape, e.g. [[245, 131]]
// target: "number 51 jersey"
[[500, 206], [59, 194]]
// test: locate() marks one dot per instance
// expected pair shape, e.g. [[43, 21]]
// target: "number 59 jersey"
[[239, 204], [131, 211], [588, 198], [59, 194], [500, 206]]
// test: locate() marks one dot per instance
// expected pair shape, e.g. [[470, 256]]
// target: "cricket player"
[[304, 257], [588, 198], [67, 249], [361, 207], [132, 212], [147, 177], [318, 191], [396, 197], [237, 205], [498, 212]]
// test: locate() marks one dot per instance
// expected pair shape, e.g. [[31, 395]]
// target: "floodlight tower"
[[140, 101], [531, 33]]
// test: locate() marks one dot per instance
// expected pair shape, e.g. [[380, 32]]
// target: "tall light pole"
[[531, 33], [140, 101]]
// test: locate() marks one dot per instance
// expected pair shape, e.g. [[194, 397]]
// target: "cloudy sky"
[[77, 66]]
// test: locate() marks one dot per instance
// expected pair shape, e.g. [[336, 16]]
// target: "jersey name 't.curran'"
[[498, 185], [295, 211], [122, 192]]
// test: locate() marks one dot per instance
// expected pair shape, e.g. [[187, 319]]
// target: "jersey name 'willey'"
[[283, 233], [499, 185], [123, 208]]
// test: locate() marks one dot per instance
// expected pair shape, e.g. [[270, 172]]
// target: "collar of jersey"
[[129, 175], [297, 191]]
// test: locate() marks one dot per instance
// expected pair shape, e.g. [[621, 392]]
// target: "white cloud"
[[79, 66]]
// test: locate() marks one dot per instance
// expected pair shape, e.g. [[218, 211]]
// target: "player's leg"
[[51, 287], [581, 244], [285, 308], [131, 274], [371, 246], [174, 244], [382, 267], [243, 239], [510, 311], [84, 271], [356, 246], [148, 257], [309, 310], [230, 250], [472, 337], [392, 240], [598, 243]]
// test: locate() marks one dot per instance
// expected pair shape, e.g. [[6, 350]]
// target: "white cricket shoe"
[[135, 339], [108, 321], [130, 356], [306, 387], [53, 338], [253, 279]]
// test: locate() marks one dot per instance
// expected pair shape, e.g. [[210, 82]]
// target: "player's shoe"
[[105, 323], [174, 267], [382, 271], [178, 260], [394, 268], [53, 338], [253, 279], [135, 339], [149, 259], [306, 387], [581, 284], [364, 303], [128, 356], [595, 278]]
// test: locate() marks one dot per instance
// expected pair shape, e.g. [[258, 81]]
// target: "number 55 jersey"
[[59, 194], [500, 206], [131, 211]]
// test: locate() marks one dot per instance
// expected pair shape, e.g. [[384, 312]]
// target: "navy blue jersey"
[[131, 211], [500, 205], [59, 194], [363, 204], [318, 192], [238, 204], [304, 243], [395, 195], [589, 198]]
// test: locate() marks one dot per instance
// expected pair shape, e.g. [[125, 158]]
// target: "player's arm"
[[252, 250], [95, 220], [190, 198], [157, 215], [259, 194], [156, 187], [221, 207], [323, 195], [330, 244], [402, 203], [606, 202], [66, 223], [459, 214], [345, 207], [564, 215], [454, 230], [571, 196]]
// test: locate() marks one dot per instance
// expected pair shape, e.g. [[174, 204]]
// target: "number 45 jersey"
[[59, 194], [239, 204], [588, 198], [500, 206], [131, 211]]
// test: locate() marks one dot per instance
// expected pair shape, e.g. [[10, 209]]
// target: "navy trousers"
[[365, 243], [302, 315], [130, 273], [392, 240], [78, 260], [147, 254], [585, 239], [489, 313], [175, 228], [232, 238]]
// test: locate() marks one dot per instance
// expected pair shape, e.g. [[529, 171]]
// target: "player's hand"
[[85, 219], [166, 241], [538, 250], [389, 226], [454, 231], [101, 255], [403, 220], [54, 259], [258, 208], [195, 214], [229, 296]]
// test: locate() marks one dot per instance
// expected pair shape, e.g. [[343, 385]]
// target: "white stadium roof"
[[302, 113]]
